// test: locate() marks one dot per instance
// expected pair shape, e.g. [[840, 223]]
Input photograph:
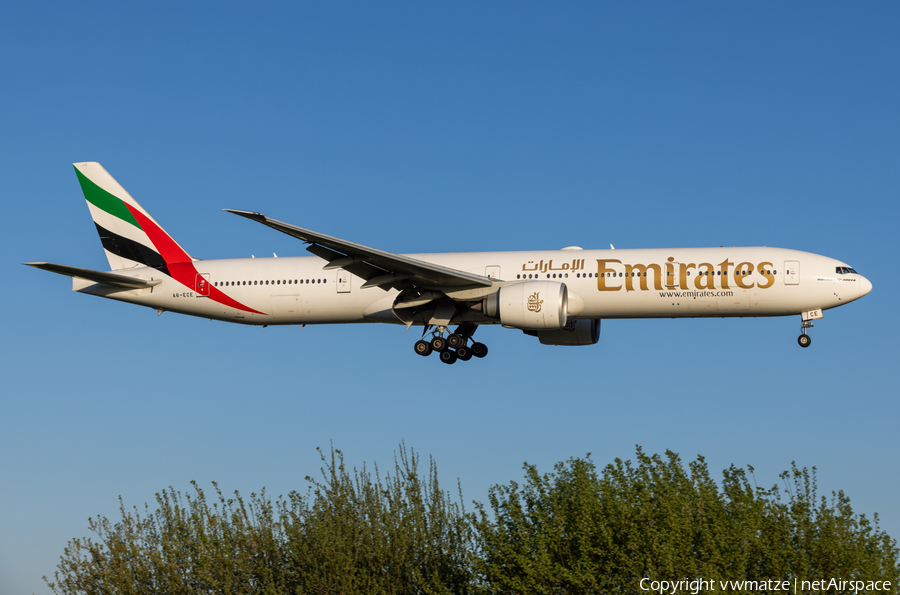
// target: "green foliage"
[[574, 530], [351, 533], [579, 531], [359, 534]]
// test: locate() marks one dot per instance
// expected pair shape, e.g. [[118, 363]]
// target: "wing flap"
[[114, 279], [372, 264]]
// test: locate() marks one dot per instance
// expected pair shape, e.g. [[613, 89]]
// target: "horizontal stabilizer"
[[114, 279]]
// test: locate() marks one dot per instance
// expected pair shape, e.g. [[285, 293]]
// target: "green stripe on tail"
[[105, 201]]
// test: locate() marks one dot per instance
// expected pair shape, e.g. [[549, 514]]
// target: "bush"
[[577, 531], [350, 533], [570, 531]]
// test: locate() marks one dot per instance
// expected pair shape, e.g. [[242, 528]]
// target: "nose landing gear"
[[454, 347], [805, 340], [807, 317]]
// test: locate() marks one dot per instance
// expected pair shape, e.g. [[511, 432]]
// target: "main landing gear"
[[454, 347]]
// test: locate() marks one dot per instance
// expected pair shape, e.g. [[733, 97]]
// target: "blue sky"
[[423, 127]]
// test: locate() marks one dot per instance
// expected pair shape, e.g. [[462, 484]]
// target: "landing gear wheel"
[[804, 340], [439, 344], [448, 357], [423, 348], [464, 353], [479, 349], [454, 340]]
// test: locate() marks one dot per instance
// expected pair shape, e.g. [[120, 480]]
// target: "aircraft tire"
[[423, 348], [479, 349], [448, 357], [439, 344], [464, 353], [804, 340], [454, 340]]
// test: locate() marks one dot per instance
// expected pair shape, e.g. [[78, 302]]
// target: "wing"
[[116, 280], [377, 267]]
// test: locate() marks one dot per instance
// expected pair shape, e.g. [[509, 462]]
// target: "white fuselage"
[[641, 283]]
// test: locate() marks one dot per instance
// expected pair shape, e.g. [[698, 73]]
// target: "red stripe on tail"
[[179, 263]]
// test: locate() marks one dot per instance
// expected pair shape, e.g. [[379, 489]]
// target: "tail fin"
[[130, 236]]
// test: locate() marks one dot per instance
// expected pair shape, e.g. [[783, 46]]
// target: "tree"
[[579, 531], [350, 533], [574, 530]]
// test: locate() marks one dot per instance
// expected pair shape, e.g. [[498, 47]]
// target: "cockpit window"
[[845, 271]]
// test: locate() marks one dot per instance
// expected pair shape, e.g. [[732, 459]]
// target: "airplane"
[[557, 296]]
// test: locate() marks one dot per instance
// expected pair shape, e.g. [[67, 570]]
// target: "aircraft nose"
[[865, 286]]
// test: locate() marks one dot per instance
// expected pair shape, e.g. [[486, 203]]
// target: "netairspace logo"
[[796, 586]]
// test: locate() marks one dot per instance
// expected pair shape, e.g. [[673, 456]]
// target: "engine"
[[532, 305], [576, 332]]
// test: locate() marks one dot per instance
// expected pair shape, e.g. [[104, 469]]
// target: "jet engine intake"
[[576, 332], [532, 305]]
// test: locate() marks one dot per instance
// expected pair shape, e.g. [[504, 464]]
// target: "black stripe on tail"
[[131, 250]]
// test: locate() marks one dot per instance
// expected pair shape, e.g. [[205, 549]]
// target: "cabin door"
[[202, 285], [343, 281], [791, 272], [673, 281]]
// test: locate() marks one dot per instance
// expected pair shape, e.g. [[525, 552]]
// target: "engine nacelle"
[[576, 332], [532, 305]]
